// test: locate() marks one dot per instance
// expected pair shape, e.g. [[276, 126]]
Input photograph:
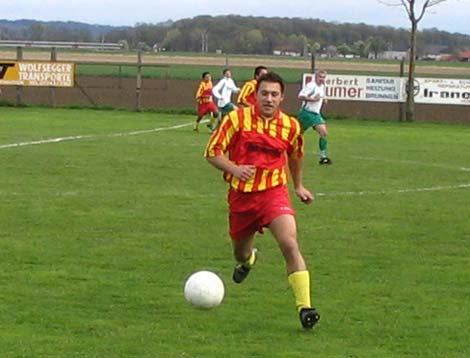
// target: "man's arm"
[[242, 172], [246, 90], [306, 94], [296, 171], [216, 89]]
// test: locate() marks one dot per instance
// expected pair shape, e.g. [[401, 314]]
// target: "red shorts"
[[205, 108], [251, 212]]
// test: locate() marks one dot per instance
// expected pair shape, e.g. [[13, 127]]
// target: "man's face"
[[269, 98], [228, 74], [320, 78]]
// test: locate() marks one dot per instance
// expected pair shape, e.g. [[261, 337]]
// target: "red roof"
[[464, 54]]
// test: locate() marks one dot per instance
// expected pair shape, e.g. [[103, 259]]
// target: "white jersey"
[[223, 91], [312, 89]]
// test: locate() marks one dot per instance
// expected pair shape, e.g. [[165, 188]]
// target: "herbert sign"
[[361, 88], [30, 73]]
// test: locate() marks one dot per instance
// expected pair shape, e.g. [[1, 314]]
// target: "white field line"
[[396, 191], [412, 162], [91, 136], [347, 193]]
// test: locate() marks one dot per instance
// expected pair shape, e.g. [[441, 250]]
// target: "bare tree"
[[415, 10]]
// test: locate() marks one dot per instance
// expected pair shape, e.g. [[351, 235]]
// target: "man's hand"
[[244, 172], [304, 195]]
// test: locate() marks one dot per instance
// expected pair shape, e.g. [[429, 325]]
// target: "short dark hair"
[[204, 74], [225, 71], [258, 69], [271, 77]]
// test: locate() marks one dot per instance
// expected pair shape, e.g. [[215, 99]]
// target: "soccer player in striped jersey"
[[205, 104], [247, 95], [254, 146]]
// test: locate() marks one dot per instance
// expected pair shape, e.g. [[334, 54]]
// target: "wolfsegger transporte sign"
[[35, 73]]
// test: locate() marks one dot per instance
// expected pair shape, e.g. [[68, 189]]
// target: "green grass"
[[183, 72], [241, 74], [98, 234]]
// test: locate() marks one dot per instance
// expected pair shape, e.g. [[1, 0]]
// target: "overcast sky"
[[451, 15]]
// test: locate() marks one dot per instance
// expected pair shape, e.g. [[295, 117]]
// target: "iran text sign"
[[29, 73], [442, 91]]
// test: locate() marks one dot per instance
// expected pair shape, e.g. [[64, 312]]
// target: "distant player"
[[223, 91], [313, 98], [247, 95], [205, 105]]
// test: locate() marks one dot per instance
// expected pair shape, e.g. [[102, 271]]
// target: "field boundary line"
[[92, 136], [413, 162], [396, 191]]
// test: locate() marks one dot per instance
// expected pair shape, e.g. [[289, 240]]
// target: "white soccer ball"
[[204, 289]]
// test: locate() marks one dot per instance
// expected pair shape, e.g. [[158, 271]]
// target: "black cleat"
[[240, 272], [325, 160], [308, 317]]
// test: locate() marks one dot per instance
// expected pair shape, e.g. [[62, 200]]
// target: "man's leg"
[[323, 143], [245, 255], [196, 124], [284, 229]]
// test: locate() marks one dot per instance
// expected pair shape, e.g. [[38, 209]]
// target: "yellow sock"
[[300, 283], [251, 260]]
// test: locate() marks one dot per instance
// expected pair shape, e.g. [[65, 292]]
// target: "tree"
[[172, 36], [344, 49], [376, 45], [415, 9], [360, 48]]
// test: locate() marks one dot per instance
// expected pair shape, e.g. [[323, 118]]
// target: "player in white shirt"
[[313, 97], [223, 91]]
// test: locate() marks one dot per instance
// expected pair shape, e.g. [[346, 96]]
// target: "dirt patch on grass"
[[251, 61]]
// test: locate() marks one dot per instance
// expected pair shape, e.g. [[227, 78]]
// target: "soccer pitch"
[[104, 215]]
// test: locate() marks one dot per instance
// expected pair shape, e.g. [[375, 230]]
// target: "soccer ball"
[[204, 289]]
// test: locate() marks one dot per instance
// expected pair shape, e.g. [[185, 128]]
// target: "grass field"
[[99, 230]]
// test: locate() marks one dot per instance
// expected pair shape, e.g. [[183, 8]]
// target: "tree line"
[[245, 35]]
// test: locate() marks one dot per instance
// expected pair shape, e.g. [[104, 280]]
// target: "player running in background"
[[205, 105], [223, 92], [254, 146], [247, 96], [313, 98]]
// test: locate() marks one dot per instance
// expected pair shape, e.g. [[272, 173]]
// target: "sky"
[[450, 15]]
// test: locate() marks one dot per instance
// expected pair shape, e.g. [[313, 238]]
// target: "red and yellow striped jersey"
[[204, 92], [250, 139], [247, 93]]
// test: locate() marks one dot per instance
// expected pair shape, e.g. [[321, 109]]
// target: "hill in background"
[[247, 34]]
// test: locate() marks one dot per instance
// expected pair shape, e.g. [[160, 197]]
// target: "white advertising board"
[[393, 89], [361, 88], [442, 91]]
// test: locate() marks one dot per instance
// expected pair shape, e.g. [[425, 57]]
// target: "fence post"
[[52, 101], [138, 89], [19, 89], [312, 63], [120, 77], [401, 114]]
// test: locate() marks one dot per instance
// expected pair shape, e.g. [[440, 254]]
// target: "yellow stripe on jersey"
[[281, 127], [264, 177]]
